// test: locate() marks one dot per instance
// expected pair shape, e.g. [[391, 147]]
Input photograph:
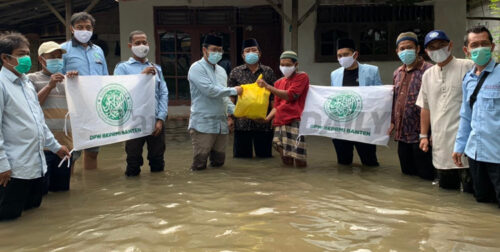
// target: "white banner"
[[361, 114], [110, 109]]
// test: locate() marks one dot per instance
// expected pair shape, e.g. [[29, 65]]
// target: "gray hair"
[[82, 16], [132, 34]]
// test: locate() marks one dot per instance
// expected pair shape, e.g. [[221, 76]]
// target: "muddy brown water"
[[253, 205]]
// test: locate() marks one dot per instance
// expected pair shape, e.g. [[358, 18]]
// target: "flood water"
[[253, 205]]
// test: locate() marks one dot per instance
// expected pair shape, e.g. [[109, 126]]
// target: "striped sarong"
[[286, 137]]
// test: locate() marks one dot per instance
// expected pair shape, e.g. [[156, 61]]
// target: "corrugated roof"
[[27, 14]]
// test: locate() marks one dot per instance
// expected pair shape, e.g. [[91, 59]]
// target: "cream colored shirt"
[[441, 94], [54, 108]]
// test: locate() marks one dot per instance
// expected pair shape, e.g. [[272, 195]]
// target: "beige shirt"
[[441, 94], [54, 108]]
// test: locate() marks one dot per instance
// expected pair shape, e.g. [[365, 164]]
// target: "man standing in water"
[[353, 74], [87, 59], [290, 94], [440, 98], [139, 64], [24, 134], [250, 135], [52, 97], [478, 134], [210, 121], [405, 119]]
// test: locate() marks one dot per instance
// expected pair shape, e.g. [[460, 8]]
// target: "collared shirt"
[[54, 108], [290, 111], [441, 94], [243, 75], [478, 134], [210, 103], [24, 132], [405, 114], [88, 60], [132, 66]]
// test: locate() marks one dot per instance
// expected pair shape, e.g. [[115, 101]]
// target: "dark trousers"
[[454, 179], [245, 142], [19, 195], [414, 161], [486, 181], [156, 150], [56, 178], [367, 152]]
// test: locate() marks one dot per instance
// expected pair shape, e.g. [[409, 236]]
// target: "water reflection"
[[251, 205]]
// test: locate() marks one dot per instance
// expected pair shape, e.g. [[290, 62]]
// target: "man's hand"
[[230, 124], [457, 159], [158, 128], [63, 152], [72, 74], [149, 70], [262, 83], [391, 129], [239, 90], [424, 144], [55, 78], [5, 177]]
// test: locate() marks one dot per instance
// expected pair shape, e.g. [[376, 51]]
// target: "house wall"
[[450, 16], [492, 25]]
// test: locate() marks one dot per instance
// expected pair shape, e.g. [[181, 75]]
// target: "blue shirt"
[[368, 75], [132, 66], [24, 133], [210, 103], [87, 61], [478, 134]]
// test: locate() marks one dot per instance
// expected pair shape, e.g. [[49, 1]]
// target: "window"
[[374, 28], [179, 34], [175, 59]]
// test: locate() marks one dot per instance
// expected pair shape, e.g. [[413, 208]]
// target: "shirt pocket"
[[491, 100], [74, 63]]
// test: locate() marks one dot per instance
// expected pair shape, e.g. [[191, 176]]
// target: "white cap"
[[49, 47]]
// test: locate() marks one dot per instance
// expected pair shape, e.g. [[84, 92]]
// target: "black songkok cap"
[[250, 43], [213, 40], [345, 43]]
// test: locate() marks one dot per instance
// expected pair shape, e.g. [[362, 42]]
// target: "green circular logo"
[[114, 104], [343, 107]]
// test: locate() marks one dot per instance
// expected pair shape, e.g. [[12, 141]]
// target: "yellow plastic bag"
[[254, 101]]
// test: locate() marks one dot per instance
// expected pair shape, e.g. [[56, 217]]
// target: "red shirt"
[[289, 111]]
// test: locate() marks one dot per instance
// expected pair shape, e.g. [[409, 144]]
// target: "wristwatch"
[[421, 136]]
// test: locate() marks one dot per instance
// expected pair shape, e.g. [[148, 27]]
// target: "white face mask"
[[287, 70], [439, 55], [83, 36], [347, 61], [140, 51]]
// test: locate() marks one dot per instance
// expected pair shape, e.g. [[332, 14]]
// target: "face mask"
[[251, 58], [140, 51], [347, 61], [83, 36], [287, 70], [407, 56], [481, 56], [54, 65], [439, 55], [214, 57], [23, 64]]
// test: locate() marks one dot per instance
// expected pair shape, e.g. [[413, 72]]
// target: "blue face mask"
[[407, 56], [251, 58], [481, 56], [214, 57], [54, 65]]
